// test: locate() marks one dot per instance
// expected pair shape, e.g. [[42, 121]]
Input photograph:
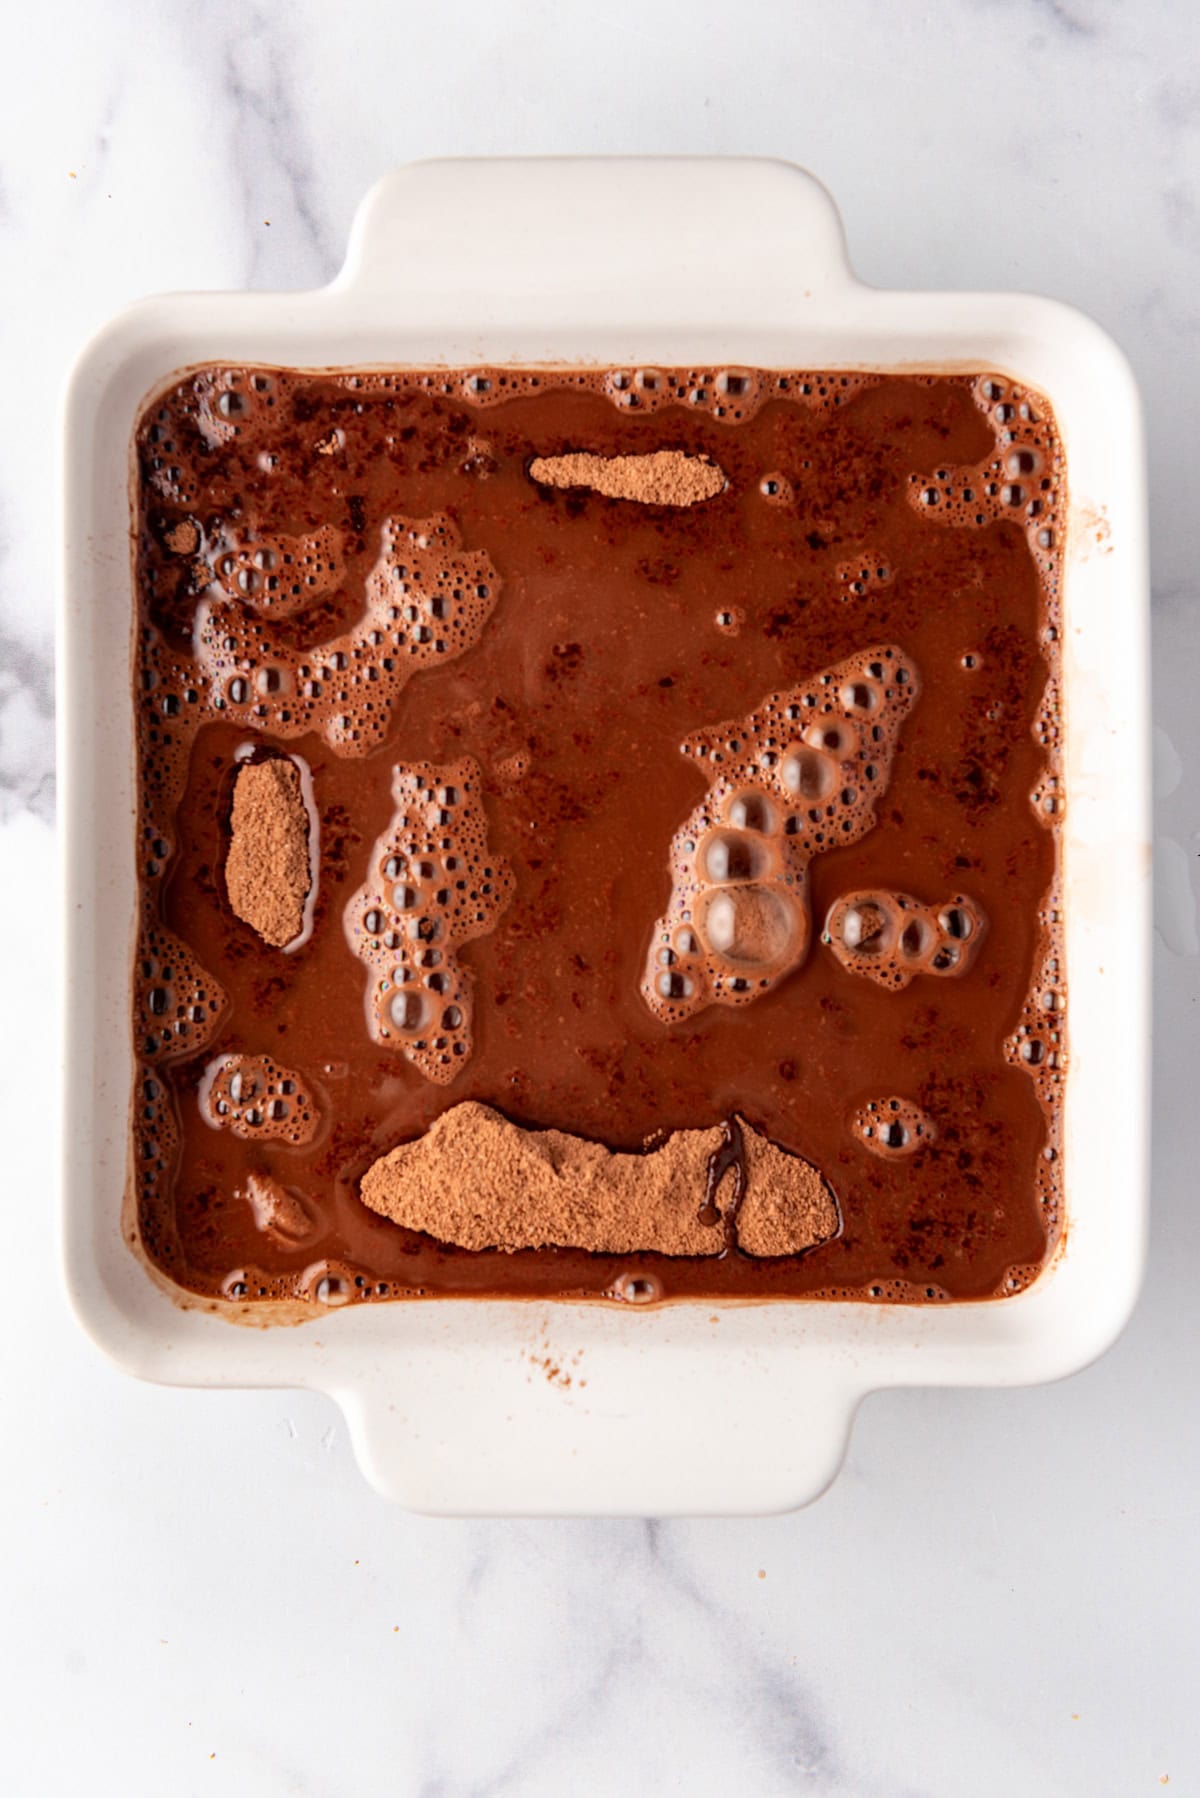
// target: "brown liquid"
[[618, 629]]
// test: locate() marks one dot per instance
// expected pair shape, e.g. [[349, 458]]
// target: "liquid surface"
[[909, 1035]]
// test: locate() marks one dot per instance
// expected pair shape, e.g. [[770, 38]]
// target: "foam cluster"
[[1022, 482], [231, 404], [433, 886], [254, 1097], [237, 405], [864, 574], [891, 1126], [276, 576], [799, 775], [426, 601], [730, 394], [176, 1003], [227, 405], [1048, 797], [892, 937], [1038, 1044], [886, 1292], [155, 1148], [170, 704], [327, 1283]]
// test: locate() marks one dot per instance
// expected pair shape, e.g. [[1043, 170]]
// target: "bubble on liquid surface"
[[407, 1010], [757, 926], [795, 777], [328, 1284], [867, 929], [419, 998], [810, 773], [751, 811], [891, 937], [731, 855], [637, 1288]]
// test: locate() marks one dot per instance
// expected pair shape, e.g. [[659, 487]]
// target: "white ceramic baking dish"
[[690, 1407]]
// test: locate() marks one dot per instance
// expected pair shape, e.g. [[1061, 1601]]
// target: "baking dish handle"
[[546, 1419], [539, 230]]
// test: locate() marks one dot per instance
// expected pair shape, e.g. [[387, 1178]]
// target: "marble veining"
[[269, 154], [201, 1594], [26, 727]]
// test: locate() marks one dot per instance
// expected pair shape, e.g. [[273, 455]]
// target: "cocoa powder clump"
[[267, 870], [788, 1208], [277, 1211], [481, 1182], [183, 539], [477, 1180], [663, 478]]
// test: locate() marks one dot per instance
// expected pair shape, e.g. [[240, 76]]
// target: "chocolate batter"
[[362, 574]]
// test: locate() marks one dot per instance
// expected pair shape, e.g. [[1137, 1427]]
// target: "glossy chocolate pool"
[[589, 638]]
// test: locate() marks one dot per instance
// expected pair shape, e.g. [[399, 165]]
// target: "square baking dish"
[[688, 1407]]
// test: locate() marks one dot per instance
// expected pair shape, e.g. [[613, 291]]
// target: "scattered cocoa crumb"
[[183, 539], [555, 1374], [788, 1208], [663, 478], [479, 1181], [266, 871]]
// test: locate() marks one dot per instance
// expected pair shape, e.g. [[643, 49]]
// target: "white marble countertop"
[[200, 1594]]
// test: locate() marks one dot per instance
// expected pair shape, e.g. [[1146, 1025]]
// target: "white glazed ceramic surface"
[[690, 1408]]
